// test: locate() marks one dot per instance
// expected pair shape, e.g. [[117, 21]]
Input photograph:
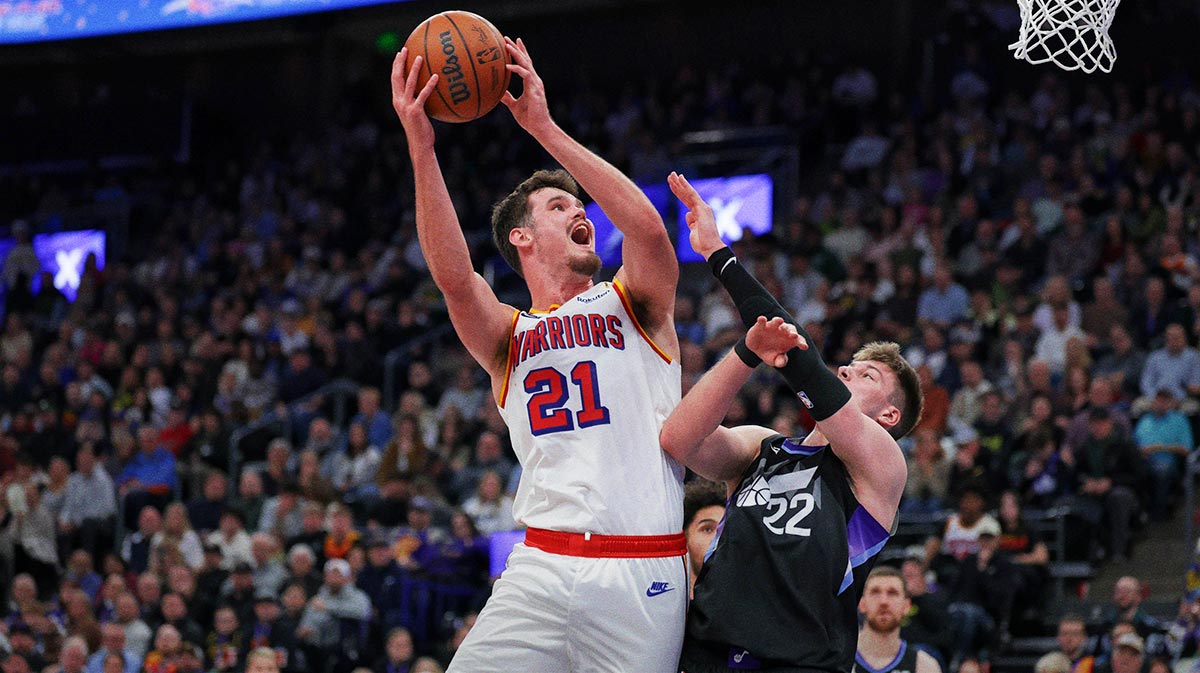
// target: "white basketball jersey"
[[585, 397]]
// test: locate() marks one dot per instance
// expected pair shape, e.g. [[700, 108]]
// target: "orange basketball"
[[468, 54]]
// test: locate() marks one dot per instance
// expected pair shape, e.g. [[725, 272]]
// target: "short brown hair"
[[907, 397], [887, 571], [513, 210]]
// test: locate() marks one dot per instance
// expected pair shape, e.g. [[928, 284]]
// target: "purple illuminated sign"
[[608, 237], [500, 545], [739, 203], [63, 255]]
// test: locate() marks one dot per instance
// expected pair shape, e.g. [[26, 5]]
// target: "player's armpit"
[[725, 453]]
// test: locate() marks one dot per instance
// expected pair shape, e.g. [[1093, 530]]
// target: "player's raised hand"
[[530, 110], [410, 103], [772, 339], [702, 225]]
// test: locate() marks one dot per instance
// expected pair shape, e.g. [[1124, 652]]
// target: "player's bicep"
[[726, 452], [482, 322]]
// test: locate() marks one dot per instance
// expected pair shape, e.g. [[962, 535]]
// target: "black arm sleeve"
[[821, 391]]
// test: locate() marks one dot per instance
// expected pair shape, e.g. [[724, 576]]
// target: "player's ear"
[[889, 417], [519, 237]]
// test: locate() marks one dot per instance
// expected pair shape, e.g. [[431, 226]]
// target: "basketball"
[[468, 54]]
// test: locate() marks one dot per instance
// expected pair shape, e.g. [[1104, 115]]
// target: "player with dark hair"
[[703, 508], [884, 604], [584, 380], [807, 516]]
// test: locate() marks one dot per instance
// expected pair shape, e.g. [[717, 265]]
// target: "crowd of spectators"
[[1033, 249]]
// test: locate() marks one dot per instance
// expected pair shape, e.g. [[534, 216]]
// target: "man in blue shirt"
[[945, 302], [1165, 437], [1175, 367], [149, 478]]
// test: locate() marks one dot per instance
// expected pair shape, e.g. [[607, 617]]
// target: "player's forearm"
[[704, 407], [821, 391], [625, 204], [438, 231]]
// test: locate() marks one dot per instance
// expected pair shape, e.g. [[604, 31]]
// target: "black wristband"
[[747, 356], [720, 259]]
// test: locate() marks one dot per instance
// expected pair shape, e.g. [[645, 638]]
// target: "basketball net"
[[1071, 33]]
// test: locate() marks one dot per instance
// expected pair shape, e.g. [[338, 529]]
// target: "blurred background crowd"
[[254, 428]]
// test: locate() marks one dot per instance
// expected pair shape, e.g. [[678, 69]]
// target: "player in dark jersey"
[[880, 649], [780, 584]]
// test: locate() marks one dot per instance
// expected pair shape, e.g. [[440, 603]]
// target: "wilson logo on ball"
[[453, 71], [468, 55]]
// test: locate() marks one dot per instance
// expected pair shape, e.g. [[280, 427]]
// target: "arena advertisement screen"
[[739, 203], [43, 20], [64, 256], [500, 545], [608, 237]]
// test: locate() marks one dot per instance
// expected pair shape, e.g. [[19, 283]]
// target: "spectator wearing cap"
[[112, 641], [338, 599], [1164, 436], [149, 478], [981, 593], [1128, 654], [89, 514], [381, 574], [301, 376], [417, 542], [269, 628], [205, 511], [1174, 367], [1108, 470], [232, 538], [238, 591], [971, 468]]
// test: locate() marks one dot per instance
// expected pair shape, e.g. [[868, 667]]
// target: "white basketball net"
[[1071, 33]]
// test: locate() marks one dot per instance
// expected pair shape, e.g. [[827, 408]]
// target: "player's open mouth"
[[581, 234]]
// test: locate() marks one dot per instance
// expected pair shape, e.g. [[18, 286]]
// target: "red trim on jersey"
[[633, 316], [510, 361], [606, 546]]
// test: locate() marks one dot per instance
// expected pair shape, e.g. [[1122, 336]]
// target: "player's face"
[[561, 231], [871, 383], [700, 532], [884, 604]]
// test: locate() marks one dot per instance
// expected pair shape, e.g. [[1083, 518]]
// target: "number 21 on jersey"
[[549, 406]]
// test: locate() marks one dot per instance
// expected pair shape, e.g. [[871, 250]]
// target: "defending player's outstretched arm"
[[481, 321], [650, 271]]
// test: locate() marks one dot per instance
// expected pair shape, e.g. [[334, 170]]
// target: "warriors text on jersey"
[[905, 662], [781, 582], [585, 397]]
